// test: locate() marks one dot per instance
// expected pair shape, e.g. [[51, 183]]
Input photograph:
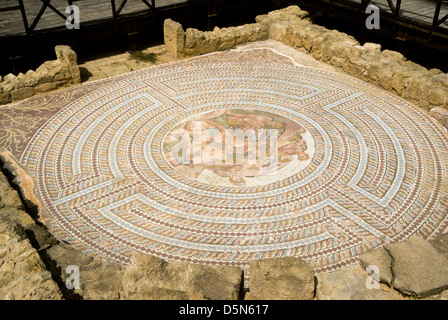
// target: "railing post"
[[25, 20], [154, 11], [397, 8], [39, 15], [363, 6], [114, 10], [396, 13], [435, 21]]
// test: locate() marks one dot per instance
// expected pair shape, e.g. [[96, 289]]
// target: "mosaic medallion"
[[237, 156], [238, 148]]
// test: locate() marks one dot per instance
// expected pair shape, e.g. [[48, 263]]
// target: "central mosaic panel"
[[238, 147], [239, 156]]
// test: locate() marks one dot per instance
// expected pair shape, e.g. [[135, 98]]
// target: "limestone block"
[[372, 46], [259, 32], [420, 270], [277, 31], [18, 82], [284, 278], [441, 115], [350, 284], [441, 79], [414, 87], [45, 87], [385, 78], [424, 104], [22, 93], [435, 71], [22, 180], [262, 19], [381, 259], [399, 80], [412, 66], [228, 39], [23, 275], [8, 77], [437, 95], [66, 55], [211, 282], [174, 36], [98, 279], [441, 242], [5, 97], [393, 55]]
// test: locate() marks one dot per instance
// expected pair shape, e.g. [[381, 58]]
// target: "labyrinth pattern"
[[377, 170]]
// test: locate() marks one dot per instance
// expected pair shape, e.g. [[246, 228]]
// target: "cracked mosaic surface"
[[376, 172]]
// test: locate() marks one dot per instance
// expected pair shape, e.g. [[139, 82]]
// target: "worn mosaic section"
[[363, 167], [20, 121]]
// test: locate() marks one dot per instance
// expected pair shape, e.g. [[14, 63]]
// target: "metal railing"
[[395, 10], [116, 7]]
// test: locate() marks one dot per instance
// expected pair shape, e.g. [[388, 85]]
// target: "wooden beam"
[[114, 9], [397, 9], [38, 16], [443, 20], [54, 9], [436, 19], [6, 9], [121, 7], [24, 18], [148, 5], [391, 6]]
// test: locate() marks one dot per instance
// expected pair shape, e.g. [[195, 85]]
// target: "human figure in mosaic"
[[259, 144]]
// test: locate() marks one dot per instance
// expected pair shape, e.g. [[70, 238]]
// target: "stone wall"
[[390, 70], [51, 75], [194, 42]]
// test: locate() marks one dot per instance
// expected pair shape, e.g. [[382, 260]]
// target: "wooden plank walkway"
[[11, 22], [419, 10]]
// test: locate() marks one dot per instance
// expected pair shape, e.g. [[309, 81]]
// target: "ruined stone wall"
[[51, 75], [194, 42], [390, 70]]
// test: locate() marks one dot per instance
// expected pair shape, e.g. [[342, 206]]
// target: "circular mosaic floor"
[[337, 167]]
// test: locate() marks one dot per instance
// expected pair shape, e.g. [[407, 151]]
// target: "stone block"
[[437, 95], [420, 270], [284, 278], [147, 272], [23, 275], [22, 93], [350, 284], [174, 36]]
